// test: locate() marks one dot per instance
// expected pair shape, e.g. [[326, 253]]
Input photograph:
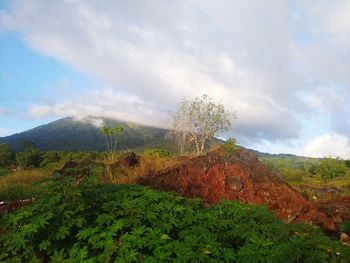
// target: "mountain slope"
[[70, 135]]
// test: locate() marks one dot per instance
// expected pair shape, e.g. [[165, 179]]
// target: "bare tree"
[[195, 122]]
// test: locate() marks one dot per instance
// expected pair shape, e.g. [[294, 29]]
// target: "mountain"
[[68, 134]]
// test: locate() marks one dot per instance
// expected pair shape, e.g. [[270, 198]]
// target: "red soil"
[[213, 177]]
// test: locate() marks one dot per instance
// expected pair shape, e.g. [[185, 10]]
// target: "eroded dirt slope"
[[243, 177]]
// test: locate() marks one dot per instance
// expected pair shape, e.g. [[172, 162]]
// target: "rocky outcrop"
[[242, 177]]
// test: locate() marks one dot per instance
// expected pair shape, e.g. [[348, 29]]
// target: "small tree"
[[195, 122], [30, 157], [329, 169], [112, 136], [7, 157]]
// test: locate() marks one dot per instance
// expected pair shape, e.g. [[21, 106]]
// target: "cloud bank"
[[334, 145], [274, 63]]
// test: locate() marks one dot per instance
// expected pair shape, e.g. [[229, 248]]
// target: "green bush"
[[345, 227], [7, 157], [157, 152], [230, 147], [329, 169], [3, 171], [30, 157], [104, 223]]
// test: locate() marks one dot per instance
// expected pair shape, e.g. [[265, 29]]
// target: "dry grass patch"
[[149, 164], [23, 177]]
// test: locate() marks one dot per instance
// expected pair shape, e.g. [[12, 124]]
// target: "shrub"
[[230, 147], [7, 157], [30, 157], [157, 152], [105, 223], [345, 227], [329, 169]]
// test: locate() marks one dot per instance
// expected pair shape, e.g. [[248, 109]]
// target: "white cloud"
[[6, 132], [161, 52], [106, 103], [334, 145], [260, 59]]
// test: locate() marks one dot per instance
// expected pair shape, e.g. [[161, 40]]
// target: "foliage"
[[195, 122], [50, 157], [3, 171], [157, 152], [68, 134], [111, 135], [329, 169], [230, 147], [30, 157], [7, 157], [19, 184], [68, 222], [345, 227], [347, 163]]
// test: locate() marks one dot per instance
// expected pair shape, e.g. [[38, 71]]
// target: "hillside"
[[68, 134]]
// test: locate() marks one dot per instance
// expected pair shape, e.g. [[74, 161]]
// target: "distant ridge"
[[68, 134]]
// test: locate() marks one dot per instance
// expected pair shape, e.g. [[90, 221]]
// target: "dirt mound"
[[242, 177], [337, 208]]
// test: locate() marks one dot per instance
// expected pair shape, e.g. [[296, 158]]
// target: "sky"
[[282, 66]]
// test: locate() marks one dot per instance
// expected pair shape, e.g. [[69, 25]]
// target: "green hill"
[[68, 134]]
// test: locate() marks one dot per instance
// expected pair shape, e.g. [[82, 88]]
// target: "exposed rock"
[[234, 183], [242, 177]]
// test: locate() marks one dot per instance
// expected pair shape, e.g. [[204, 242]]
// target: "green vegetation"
[[112, 135], [345, 227], [7, 157], [230, 147], [161, 153], [30, 157], [329, 169], [316, 178], [82, 221], [70, 135]]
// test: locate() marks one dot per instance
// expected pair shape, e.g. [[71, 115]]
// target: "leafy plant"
[[111, 135], [89, 222], [345, 227], [230, 147], [7, 157], [329, 169], [30, 157], [157, 152]]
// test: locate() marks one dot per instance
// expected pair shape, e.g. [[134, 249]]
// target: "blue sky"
[[27, 78], [282, 66]]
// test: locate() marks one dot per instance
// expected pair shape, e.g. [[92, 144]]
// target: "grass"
[[19, 184], [131, 175], [313, 186]]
